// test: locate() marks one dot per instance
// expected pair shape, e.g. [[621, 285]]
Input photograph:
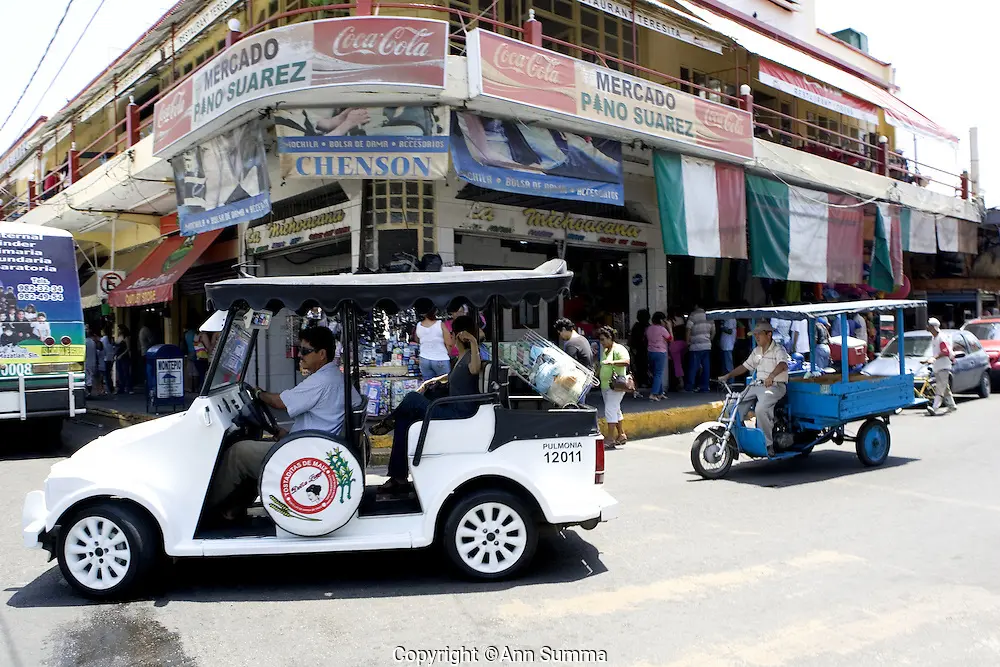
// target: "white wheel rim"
[[97, 553], [491, 538]]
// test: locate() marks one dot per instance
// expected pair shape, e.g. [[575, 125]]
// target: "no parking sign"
[[108, 280]]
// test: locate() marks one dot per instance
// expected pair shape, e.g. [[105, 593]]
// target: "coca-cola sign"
[[402, 51], [513, 70], [172, 116]]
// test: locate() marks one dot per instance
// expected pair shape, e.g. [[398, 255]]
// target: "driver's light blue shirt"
[[317, 403]]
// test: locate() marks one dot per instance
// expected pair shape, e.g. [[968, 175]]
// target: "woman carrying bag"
[[615, 382]]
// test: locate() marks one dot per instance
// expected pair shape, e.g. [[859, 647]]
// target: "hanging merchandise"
[[388, 361], [887, 251], [802, 234], [703, 211]]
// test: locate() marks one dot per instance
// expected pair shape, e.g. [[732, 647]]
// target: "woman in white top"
[[434, 341]]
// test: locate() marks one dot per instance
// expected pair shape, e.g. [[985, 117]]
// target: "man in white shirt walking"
[[943, 356], [770, 360]]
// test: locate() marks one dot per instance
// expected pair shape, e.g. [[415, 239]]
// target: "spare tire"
[[311, 484]]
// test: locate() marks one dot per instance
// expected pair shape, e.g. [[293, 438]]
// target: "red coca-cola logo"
[[398, 42], [532, 64], [174, 108], [725, 120]]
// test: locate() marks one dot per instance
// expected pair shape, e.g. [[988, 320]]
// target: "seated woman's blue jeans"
[[412, 409]]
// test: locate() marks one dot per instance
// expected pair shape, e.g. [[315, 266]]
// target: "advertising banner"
[[544, 225], [516, 72], [41, 319], [384, 51], [358, 142], [527, 159], [319, 226], [223, 182], [655, 23]]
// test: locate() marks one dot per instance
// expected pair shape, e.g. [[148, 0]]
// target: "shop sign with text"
[[378, 50], [546, 225], [323, 226], [656, 24], [517, 72], [359, 142]]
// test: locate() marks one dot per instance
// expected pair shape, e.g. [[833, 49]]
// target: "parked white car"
[[483, 485]]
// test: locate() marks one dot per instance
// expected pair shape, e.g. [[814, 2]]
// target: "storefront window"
[[587, 27], [396, 206]]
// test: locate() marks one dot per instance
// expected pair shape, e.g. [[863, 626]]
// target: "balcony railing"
[[851, 150]]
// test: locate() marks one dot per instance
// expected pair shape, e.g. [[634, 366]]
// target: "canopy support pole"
[[900, 349], [845, 367], [812, 344], [345, 330]]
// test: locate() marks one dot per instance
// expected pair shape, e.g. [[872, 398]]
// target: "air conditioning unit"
[[858, 40]]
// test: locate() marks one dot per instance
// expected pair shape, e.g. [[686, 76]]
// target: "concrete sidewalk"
[[679, 413]]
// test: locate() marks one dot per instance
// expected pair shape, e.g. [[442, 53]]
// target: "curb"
[[638, 424]]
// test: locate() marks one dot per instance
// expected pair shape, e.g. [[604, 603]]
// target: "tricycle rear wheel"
[[872, 442], [711, 457]]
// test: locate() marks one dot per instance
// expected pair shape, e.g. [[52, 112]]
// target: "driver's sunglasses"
[[305, 351]]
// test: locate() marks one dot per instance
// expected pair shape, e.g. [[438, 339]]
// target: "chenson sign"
[[379, 51], [516, 72]]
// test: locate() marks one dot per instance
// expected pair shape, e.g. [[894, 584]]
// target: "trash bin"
[[164, 378]]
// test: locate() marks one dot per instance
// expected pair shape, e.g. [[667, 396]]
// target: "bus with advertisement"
[[42, 344]]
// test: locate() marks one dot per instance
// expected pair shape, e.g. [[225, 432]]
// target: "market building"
[[673, 153]]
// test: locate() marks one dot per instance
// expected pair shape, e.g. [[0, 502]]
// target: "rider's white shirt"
[[318, 401], [765, 361]]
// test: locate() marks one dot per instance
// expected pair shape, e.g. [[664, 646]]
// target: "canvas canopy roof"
[[813, 310]]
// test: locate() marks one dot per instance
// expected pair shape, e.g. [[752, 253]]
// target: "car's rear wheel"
[[490, 535], [107, 550], [984, 385]]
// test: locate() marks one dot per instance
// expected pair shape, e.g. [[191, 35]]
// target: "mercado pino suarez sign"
[[514, 71], [369, 50]]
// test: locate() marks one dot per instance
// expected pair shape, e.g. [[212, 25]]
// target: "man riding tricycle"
[[485, 478], [798, 410]]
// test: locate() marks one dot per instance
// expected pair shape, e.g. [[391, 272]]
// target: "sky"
[[941, 50]]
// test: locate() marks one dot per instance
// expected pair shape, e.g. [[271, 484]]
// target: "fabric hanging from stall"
[[887, 250], [955, 235], [802, 234], [917, 229], [702, 206]]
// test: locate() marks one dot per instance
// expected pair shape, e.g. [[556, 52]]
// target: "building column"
[[656, 280], [637, 294]]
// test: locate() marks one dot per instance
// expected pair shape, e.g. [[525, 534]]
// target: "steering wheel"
[[256, 412]]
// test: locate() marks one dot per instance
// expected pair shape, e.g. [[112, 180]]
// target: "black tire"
[[984, 385], [142, 542], [873, 456], [459, 518], [701, 443]]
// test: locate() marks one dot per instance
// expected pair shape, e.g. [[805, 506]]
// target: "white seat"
[[456, 436]]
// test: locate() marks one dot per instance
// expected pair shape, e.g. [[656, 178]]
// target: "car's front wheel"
[[107, 550], [490, 535], [984, 385]]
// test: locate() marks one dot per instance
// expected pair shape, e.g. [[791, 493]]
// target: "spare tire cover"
[[311, 484]]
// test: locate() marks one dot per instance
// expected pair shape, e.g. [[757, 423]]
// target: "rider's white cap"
[[934, 322], [762, 326]]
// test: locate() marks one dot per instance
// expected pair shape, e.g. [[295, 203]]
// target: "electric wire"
[[38, 66], [63, 66]]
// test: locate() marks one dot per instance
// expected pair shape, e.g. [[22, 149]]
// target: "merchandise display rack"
[[548, 370]]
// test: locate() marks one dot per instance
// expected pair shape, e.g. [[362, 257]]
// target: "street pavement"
[[806, 562]]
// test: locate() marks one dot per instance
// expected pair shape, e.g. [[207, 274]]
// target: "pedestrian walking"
[[123, 361], [108, 360], [638, 349], [727, 341], [614, 360], [677, 325], [699, 342], [90, 353], [658, 340], [942, 362]]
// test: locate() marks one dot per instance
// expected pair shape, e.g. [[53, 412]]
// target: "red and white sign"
[[506, 69], [308, 485], [370, 51], [386, 49], [816, 92]]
